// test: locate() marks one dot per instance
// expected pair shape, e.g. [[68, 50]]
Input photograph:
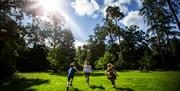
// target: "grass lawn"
[[127, 81]]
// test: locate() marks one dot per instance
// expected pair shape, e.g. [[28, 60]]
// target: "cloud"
[[85, 7], [117, 1], [133, 18], [79, 43], [95, 16], [139, 2], [93, 9]]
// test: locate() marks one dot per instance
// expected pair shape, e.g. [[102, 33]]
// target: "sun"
[[50, 8], [49, 5]]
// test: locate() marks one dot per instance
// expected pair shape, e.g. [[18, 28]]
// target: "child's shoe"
[[71, 84], [114, 86]]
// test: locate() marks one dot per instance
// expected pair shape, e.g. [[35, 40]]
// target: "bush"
[[101, 63]]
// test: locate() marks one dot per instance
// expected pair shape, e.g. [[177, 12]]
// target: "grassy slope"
[[127, 81]]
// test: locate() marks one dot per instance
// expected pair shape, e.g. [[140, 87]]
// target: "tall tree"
[[114, 14], [159, 20], [81, 55], [96, 44], [62, 55], [11, 41], [133, 43]]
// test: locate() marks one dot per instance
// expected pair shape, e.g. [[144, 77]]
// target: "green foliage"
[[96, 46], [81, 55], [133, 46], [61, 56], [102, 62], [8, 60], [10, 41], [33, 59], [161, 23], [146, 62], [58, 60], [52, 58]]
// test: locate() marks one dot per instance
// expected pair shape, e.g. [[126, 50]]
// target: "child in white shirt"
[[87, 70]]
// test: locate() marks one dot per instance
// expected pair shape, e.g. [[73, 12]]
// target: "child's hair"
[[109, 66], [86, 62], [71, 64]]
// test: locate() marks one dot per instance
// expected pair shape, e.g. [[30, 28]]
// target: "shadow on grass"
[[21, 84], [99, 87], [73, 89], [123, 89], [78, 74]]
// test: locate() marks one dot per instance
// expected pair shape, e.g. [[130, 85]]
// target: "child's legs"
[[113, 82], [87, 76], [70, 79]]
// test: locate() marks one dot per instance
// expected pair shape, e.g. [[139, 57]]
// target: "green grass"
[[127, 81]]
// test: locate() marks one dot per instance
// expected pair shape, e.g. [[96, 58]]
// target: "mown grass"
[[127, 81]]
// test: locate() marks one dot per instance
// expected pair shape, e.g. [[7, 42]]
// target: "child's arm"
[[115, 72], [76, 69], [105, 72], [91, 69]]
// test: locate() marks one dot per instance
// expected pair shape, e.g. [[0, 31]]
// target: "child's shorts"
[[87, 74], [70, 77], [111, 77]]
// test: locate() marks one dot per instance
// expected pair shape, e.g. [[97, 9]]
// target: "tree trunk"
[[120, 47], [54, 37], [160, 49], [119, 39], [35, 34], [168, 42], [110, 35]]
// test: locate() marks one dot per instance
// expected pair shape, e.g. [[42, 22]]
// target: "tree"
[[33, 59], [81, 55], [134, 41], [61, 56], [113, 14], [11, 41], [96, 44], [67, 43], [145, 63], [102, 62], [160, 21]]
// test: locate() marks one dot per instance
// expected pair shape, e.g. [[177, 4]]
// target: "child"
[[71, 72], [87, 70], [111, 74]]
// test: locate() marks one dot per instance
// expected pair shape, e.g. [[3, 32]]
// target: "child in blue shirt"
[[71, 72]]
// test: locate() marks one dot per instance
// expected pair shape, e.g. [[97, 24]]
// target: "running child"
[[71, 72], [87, 70], [111, 74]]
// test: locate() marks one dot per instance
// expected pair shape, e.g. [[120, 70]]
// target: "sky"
[[81, 16]]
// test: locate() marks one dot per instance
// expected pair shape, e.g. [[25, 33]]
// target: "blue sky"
[[81, 16]]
